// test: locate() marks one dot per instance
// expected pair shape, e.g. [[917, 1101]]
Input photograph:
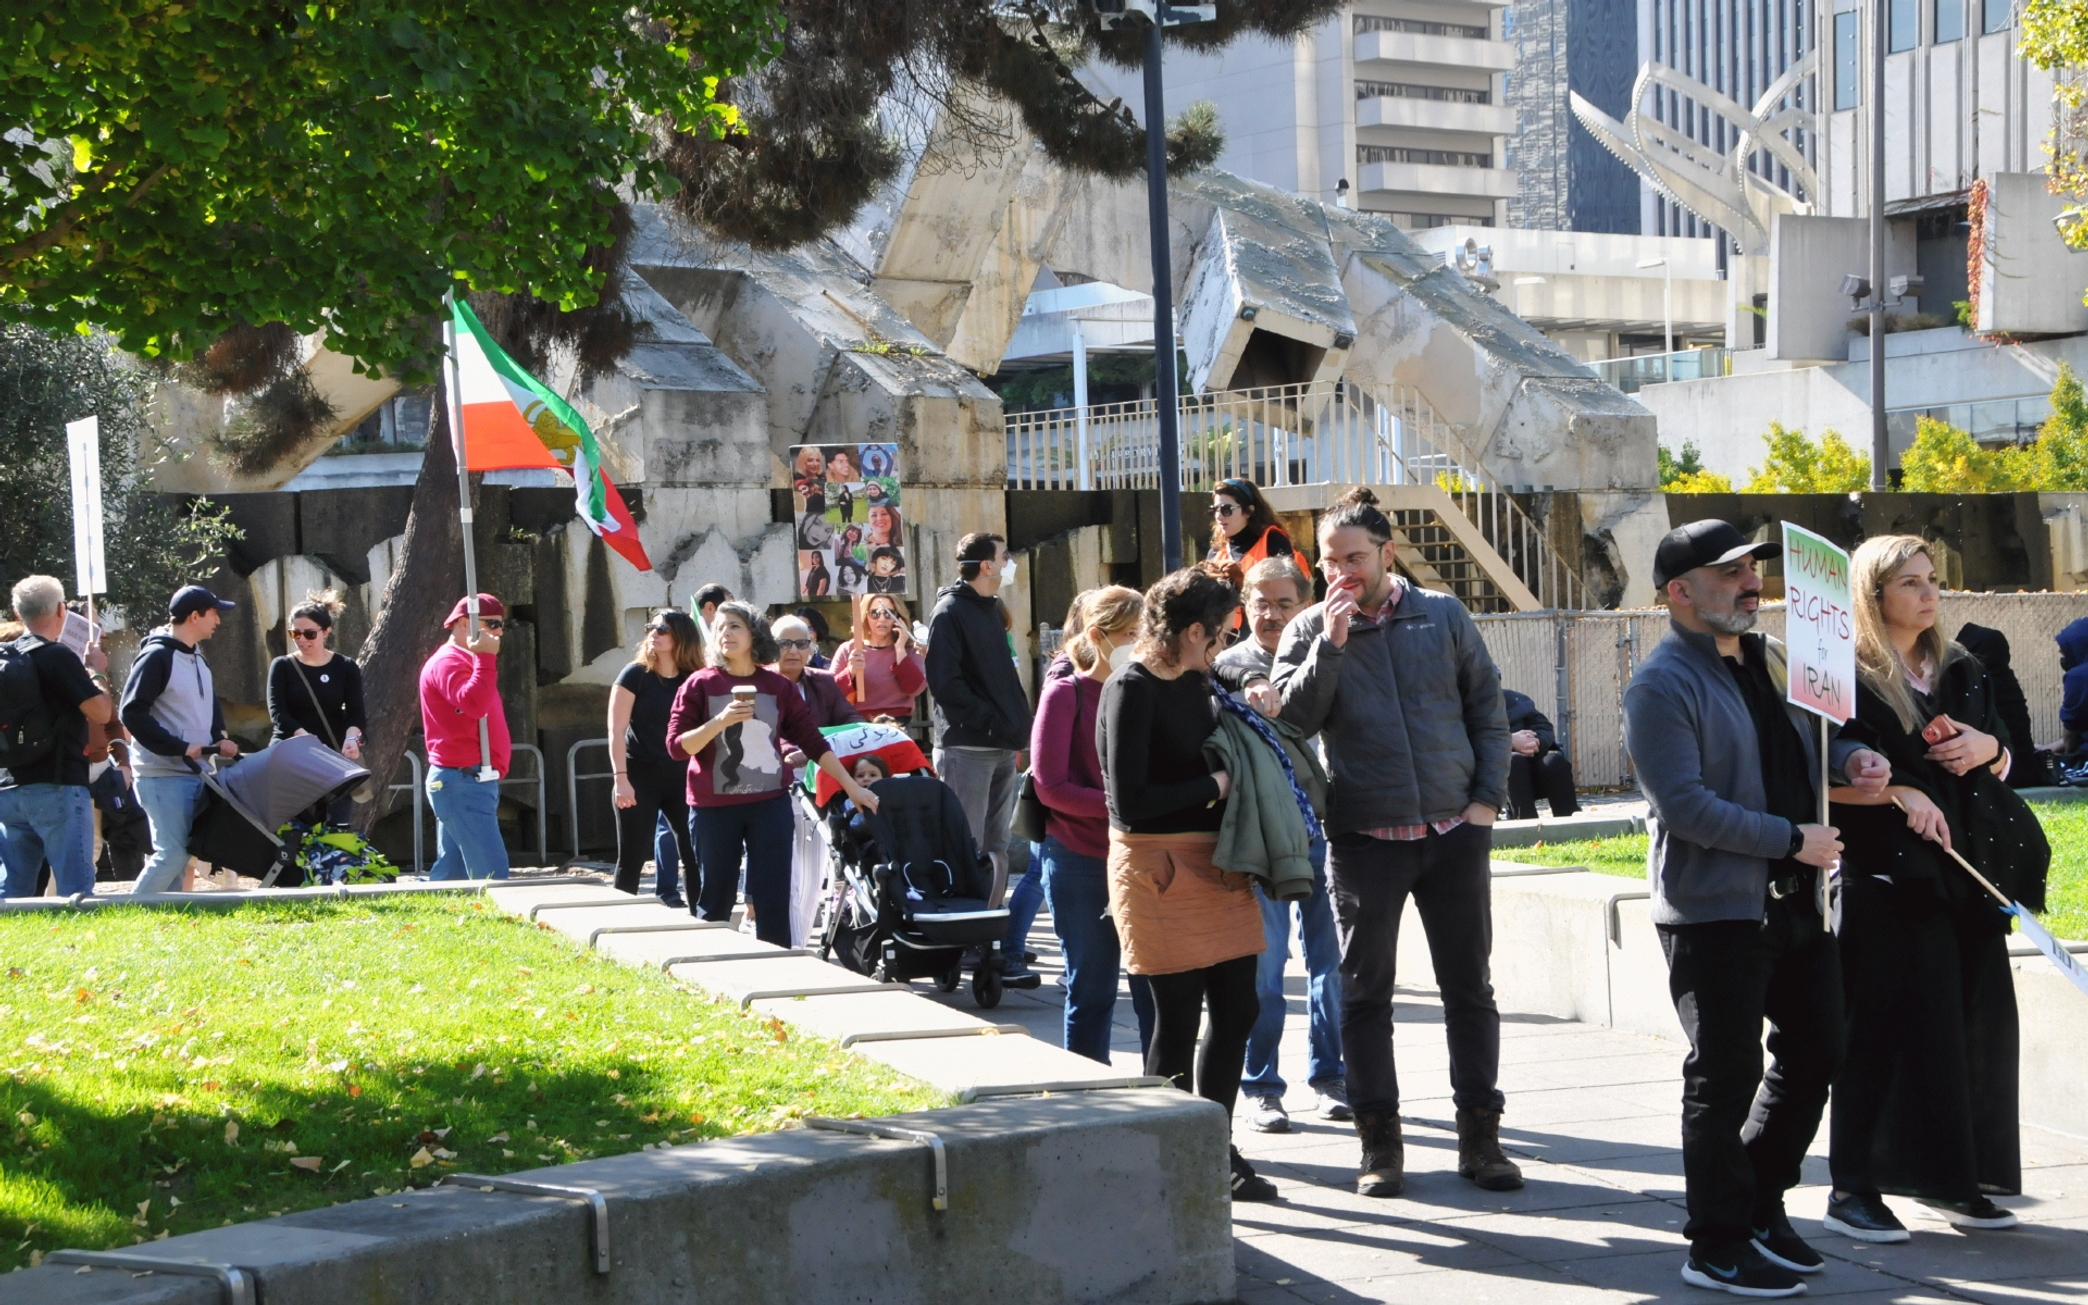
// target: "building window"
[[1401, 154], [1950, 20], [1903, 26], [1372, 23], [1847, 58], [1996, 15], [1408, 91]]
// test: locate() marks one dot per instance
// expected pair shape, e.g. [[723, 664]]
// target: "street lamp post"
[[1881, 443], [1667, 301]]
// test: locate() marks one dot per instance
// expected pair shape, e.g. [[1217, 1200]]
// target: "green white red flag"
[[512, 420]]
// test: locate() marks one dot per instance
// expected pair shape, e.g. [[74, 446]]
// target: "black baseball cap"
[[1709, 542], [190, 599]]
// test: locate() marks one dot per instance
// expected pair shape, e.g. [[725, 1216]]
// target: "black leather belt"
[[1791, 886]]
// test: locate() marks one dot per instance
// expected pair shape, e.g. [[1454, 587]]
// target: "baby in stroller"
[[910, 888]]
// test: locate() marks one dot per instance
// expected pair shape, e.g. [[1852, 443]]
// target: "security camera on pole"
[[1153, 15]]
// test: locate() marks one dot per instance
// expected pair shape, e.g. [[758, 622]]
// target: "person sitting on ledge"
[[1536, 764]]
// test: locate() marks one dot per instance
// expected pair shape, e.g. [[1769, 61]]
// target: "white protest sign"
[[1819, 625], [83, 442], [2054, 952]]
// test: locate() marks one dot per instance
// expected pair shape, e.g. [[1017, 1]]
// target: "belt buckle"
[[1776, 892]]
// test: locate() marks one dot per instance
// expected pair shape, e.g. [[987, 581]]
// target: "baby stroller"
[[910, 891], [259, 817]]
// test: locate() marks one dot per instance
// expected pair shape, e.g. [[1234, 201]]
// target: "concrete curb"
[[219, 901], [1564, 829], [1090, 1197]]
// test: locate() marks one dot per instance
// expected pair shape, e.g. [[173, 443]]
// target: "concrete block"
[[1567, 829], [968, 1066], [1638, 976], [2054, 1092], [875, 1011], [584, 924], [735, 979], [518, 898], [652, 949], [1123, 1200]]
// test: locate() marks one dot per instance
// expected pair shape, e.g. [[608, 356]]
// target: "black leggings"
[[1178, 1006], [661, 789]]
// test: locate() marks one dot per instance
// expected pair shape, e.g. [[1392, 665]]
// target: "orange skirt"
[[1174, 910]]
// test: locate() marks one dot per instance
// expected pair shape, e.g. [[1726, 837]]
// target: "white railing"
[[1323, 433]]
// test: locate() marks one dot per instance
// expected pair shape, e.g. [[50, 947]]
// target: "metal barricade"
[[573, 778], [419, 790], [543, 846]]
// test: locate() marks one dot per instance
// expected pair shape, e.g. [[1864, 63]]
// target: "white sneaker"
[[1334, 1103], [1268, 1116]]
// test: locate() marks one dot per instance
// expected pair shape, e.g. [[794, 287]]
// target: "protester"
[[652, 786], [47, 702], [1244, 529], [705, 603], [1192, 929], [1407, 703], [822, 691], [315, 690], [1925, 1105], [982, 715], [459, 689], [730, 722], [669, 836], [1101, 626], [812, 618], [171, 709], [1731, 772], [1276, 591], [881, 659], [2073, 703], [1536, 765], [2028, 767]]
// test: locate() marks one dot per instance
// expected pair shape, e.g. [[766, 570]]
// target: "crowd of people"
[[1222, 765]]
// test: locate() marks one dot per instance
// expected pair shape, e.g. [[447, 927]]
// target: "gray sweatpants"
[[987, 782]]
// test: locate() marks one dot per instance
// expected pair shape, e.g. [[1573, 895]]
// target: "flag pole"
[[1826, 898], [452, 399]]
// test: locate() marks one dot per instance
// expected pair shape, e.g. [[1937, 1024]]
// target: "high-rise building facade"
[[1569, 182]]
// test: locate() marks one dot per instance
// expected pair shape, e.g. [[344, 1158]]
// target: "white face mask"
[[1119, 655], [1007, 573]]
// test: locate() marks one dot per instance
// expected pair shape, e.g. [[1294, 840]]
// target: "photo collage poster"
[[851, 536]]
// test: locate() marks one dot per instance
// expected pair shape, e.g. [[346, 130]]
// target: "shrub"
[[1797, 465]]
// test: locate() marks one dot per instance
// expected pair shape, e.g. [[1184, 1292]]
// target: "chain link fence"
[[1576, 665]]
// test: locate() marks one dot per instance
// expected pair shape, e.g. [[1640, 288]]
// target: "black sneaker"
[[1864, 1216], [1976, 1213], [1015, 974], [1780, 1243], [1248, 1185], [1743, 1271], [674, 902]]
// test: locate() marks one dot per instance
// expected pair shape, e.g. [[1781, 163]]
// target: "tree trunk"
[[427, 581]]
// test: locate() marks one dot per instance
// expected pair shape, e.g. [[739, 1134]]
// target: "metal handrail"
[[543, 846], [573, 778], [416, 787]]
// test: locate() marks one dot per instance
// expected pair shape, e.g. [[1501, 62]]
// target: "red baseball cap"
[[488, 606]]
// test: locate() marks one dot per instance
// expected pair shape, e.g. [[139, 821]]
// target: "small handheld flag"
[[512, 420]]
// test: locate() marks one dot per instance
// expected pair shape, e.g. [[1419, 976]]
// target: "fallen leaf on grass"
[[231, 1132], [497, 1137], [310, 1162], [354, 1091], [442, 1154]]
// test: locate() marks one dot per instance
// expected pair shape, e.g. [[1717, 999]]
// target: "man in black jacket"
[[982, 716], [1535, 763]]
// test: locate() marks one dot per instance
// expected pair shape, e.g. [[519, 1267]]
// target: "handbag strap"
[[297, 664]]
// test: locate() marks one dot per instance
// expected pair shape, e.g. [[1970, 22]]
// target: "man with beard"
[[1732, 773]]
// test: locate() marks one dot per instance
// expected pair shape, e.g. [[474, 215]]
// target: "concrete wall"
[[1808, 256], [2030, 280]]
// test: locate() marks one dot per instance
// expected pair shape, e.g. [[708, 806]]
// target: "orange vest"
[[1247, 561]]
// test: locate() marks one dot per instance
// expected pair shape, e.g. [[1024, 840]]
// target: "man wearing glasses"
[[459, 687]]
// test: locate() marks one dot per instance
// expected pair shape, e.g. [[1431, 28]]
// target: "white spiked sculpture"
[[1720, 189]]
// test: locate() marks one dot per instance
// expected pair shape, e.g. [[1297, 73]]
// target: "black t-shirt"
[[337, 687], [1786, 782], [646, 739], [65, 687], [1152, 731]]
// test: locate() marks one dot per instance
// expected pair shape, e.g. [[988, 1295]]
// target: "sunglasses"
[[794, 645], [494, 624], [1225, 509], [296, 633], [659, 629]]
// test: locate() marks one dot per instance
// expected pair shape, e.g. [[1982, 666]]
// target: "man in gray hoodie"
[[170, 707], [1731, 773], [1398, 685]]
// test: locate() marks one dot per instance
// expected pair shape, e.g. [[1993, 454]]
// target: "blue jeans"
[[47, 822], [763, 831], [467, 825], [170, 803], [1323, 993], [666, 859], [1023, 902], [1077, 889]]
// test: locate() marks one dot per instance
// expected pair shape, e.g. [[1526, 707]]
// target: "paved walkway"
[[1592, 1119]]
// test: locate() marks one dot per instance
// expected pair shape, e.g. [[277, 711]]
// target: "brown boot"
[[1383, 1170], [1479, 1155]]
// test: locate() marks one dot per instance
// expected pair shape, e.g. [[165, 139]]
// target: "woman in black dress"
[[314, 690], [1925, 1104], [650, 783]]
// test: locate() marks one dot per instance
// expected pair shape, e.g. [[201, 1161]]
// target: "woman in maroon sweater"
[[731, 722]]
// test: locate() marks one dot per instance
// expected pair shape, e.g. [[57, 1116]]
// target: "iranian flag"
[[900, 754], [512, 420]]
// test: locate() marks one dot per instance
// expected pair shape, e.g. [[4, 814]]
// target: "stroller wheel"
[[948, 980], [986, 987]]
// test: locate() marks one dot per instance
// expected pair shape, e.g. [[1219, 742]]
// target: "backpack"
[[28, 726]]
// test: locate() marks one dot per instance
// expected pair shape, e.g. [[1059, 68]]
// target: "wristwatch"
[[1797, 842]]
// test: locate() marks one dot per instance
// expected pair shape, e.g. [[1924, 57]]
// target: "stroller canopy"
[[286, 777]]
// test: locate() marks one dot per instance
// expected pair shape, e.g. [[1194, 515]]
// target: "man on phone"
[[170, 707], [459, 689], [1731, 772], [1407, 703]]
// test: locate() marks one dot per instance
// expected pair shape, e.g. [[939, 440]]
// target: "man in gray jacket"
[[170, 707], [1407, 702], [1732, 772]]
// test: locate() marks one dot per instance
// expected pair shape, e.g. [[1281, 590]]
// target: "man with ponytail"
[[1407, 702]]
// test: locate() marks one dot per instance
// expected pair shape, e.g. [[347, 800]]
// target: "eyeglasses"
[[1225, 509], [794, 645], [296, 633]]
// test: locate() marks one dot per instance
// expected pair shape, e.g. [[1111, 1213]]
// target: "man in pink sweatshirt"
[[459, 687]]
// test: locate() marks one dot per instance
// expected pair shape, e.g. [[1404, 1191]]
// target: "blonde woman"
[[651, 786], [1925, 1104], [1102, 626], [881, 658]]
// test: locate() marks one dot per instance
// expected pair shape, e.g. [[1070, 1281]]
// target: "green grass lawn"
[[2066, 890], [163, 1071]]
